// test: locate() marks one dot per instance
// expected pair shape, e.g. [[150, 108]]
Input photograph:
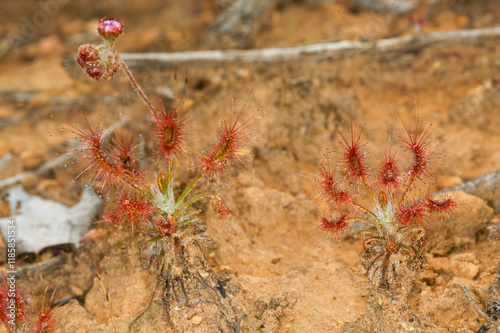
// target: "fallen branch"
[[408, 43]]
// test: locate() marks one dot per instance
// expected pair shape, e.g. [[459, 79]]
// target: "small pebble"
[[30, 181], [31, 159]]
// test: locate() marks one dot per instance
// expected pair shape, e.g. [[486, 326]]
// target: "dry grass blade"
[[112, 309]]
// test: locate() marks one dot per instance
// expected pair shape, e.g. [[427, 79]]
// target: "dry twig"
[[408, 43], [490, 322]]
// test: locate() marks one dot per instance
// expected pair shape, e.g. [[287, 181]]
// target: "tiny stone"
[[46, 256], [6, 112], [39, 101], [29, 182], [77, 291], [465, 269], [94, 234], [438, 264], [428, 277], [243, 73], [4, 209], [188, 104], [224, 268], [203, 274], [196, 320], [31, 159], [448, 181], [439, 281], [47, 185], [4, 148]]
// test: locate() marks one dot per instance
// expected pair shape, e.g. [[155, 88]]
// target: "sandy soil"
[[289, 276]]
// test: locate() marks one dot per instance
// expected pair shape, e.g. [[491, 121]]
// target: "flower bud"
[[87, 54], [382, 199], [98, 63], [162, 182], [89, 59], [220, 208], [95, 72], [110, 28]]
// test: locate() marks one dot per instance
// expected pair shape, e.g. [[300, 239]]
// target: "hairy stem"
[[412, 179], [375, 224], [365, 209], [368, 188], [190, 202], [189, 188], [136, 86], [141, 192]]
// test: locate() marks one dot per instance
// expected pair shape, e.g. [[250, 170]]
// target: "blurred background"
[[271, 243]]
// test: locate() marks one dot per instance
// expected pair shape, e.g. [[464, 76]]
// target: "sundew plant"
[[139, 204], [396, 218], [159, 209]]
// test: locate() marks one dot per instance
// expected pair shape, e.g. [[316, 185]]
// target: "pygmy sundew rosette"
[[162, 211], [393, 213], [393, 243]]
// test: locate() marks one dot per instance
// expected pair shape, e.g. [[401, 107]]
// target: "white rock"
[[41, 223]]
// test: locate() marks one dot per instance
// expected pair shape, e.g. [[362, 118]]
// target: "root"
[[187, 288]]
